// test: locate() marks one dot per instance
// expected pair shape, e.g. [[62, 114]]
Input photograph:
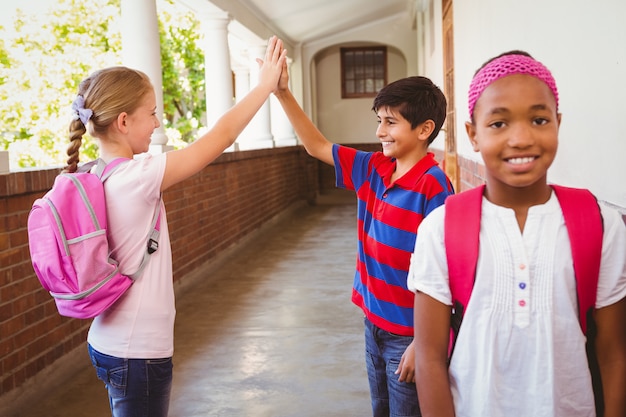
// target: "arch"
[[346, 120]]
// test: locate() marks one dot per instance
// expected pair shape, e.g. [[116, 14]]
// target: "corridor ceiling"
[[302, 21]]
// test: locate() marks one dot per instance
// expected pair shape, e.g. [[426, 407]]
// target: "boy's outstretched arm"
[[314, 142], [432, 334], [611, 353], [183, 163]]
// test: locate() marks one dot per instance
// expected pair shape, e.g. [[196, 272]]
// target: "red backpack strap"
[[461, 230], [585, 229]]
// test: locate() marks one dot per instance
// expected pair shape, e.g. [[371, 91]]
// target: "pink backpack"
[[69, 248], [585, 229]]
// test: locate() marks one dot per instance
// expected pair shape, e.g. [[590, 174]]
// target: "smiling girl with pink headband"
[[521, 349]]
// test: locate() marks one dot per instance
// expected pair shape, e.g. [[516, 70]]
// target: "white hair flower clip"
[[79, 111]]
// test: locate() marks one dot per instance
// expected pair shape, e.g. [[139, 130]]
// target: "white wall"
[[582, 43], [347, 120], [430, 51], [396, 32]]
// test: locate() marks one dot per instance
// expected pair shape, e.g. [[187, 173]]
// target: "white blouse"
[[520, 350]]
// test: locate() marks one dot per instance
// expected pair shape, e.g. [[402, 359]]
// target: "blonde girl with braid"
[[131, 344]]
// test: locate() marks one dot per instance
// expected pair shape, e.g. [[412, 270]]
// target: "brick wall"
[[207, 214], [472, 173]]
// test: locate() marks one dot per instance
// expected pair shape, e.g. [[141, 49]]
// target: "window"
[[363, 71]]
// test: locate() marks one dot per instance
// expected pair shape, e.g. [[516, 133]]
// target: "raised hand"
[[273, 64], [283, 82]]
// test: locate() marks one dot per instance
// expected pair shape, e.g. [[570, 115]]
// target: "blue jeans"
[[390, 397], [137, 387]]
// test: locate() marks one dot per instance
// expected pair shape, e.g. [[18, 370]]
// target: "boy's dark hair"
[[417, 99]]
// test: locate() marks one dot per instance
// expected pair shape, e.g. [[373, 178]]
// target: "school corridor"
[[270, 332]]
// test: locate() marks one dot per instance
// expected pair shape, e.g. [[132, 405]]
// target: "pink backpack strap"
[[462, 228], [461, 231], [584, 223], [104, 171], [584, 227]]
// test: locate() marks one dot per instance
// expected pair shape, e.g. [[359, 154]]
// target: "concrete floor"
[[271, 332]]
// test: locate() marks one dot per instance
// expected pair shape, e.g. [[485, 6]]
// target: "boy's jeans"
[[137, 387], [383, 350]]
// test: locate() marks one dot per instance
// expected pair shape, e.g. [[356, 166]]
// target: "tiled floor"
[[270, 333]]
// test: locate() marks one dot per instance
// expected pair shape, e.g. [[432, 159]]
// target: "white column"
[[217, 71], [260, 134], [282, 130], [242, 82], [141, 49], [242, 87]]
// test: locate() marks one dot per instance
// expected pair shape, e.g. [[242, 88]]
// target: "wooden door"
[[451, 163]]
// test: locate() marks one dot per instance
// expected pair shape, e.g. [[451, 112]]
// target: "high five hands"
[[273, 64]]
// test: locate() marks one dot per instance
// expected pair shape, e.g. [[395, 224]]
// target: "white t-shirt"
[[141, 323], [520, 350]]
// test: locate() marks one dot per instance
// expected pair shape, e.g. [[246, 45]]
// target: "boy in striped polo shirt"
[[396, 188]]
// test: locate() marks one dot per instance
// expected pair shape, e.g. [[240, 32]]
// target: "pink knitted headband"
[[508, 65]]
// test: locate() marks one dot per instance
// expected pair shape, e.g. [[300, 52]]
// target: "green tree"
[[182, 61], [48, 54], [45, 54]]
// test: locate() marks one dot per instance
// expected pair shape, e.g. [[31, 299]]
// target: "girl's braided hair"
[[105, 93]]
